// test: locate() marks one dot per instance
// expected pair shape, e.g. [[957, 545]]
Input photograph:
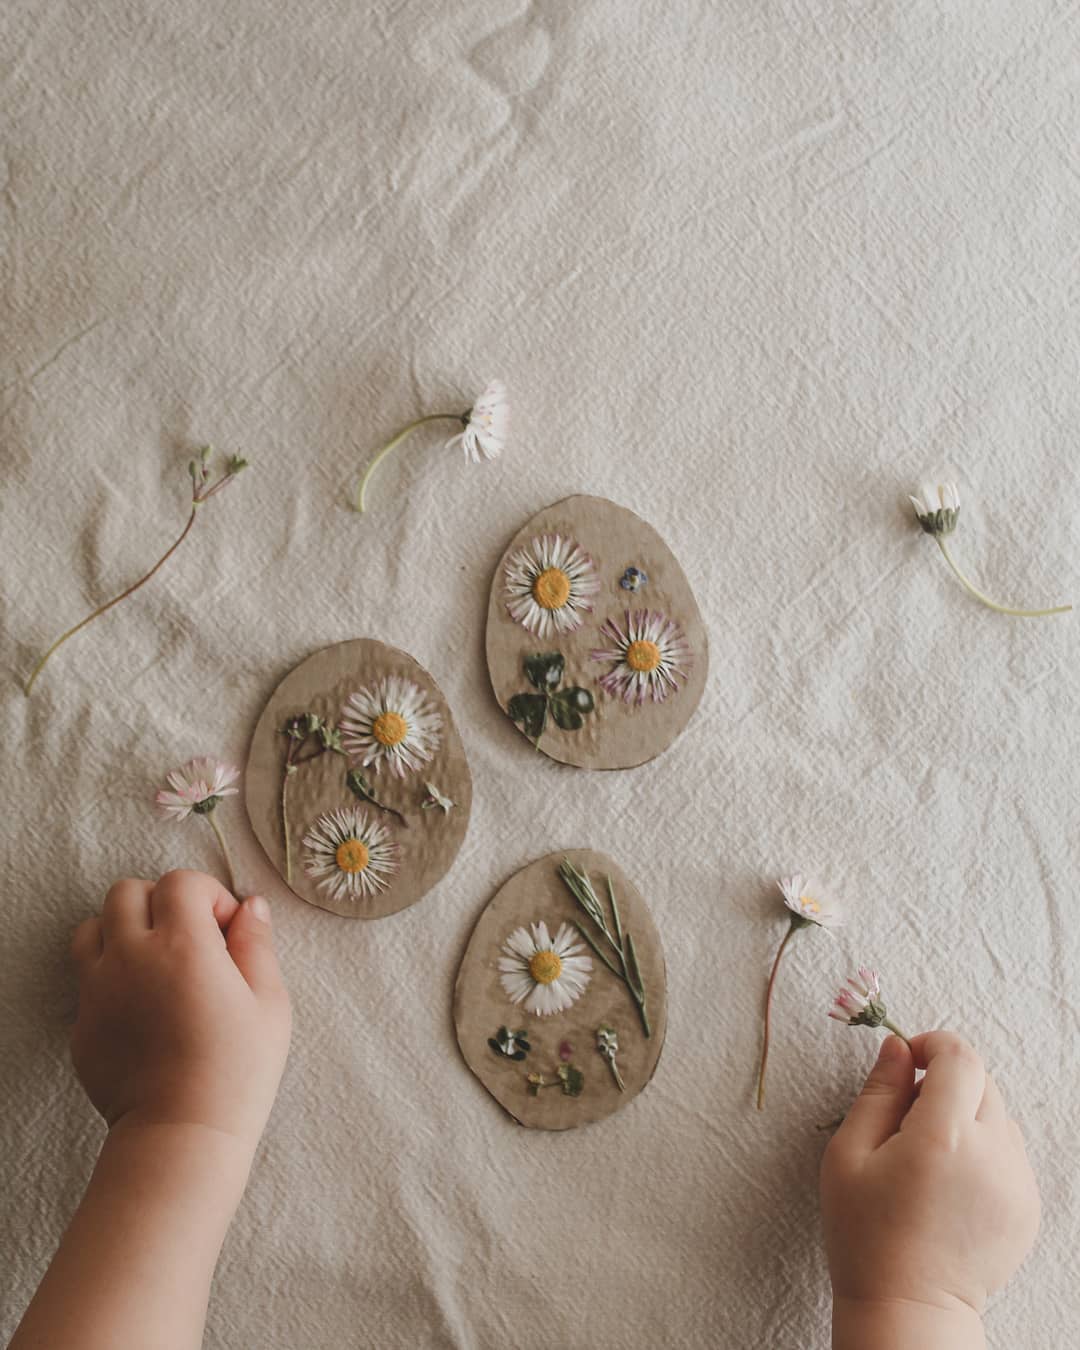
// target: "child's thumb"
[[886, 1097], [251, 945]]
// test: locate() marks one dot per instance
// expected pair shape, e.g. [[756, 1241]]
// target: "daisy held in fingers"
[[937, 510], [859, 1003], [203, 487], [804, 912], [197, 788], [484, 429]]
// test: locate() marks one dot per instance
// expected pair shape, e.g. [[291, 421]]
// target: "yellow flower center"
[[551, 589], [643, 656], [352, 856], [390, 728], [809, 904], [545, 967]]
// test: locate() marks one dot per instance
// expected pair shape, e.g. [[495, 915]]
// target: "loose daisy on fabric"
[[197, 787], [648, 656], [550, 584], [487, 427], [391, 722], [547, 974], [805, 907], [349, 855]]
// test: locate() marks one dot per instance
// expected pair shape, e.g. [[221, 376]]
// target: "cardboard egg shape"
[[596, 647], [356, 763], [563, 1029]]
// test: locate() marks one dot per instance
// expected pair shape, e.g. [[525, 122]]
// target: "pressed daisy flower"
[[549, 585], [393, 723], [547, 974], [485, 427], [804, 912], [859, 1003], [648, 656], [937, 510], [196, 789], [350, 855]]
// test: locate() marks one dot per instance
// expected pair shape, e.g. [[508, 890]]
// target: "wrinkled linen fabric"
[[751, 270]]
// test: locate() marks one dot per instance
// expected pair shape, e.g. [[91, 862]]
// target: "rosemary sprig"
[[625, 965]]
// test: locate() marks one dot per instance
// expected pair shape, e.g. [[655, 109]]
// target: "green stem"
[[29, 685], [224, 849], [287, 773], [395, 441], [610, 965], [768, 1015], [991, 604], [891, 1026]]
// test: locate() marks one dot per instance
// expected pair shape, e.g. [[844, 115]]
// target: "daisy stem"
[[286, 775], [768, 1014], [891, 1026], [991, 604], [358, 504], [29, 685], [224, 850]]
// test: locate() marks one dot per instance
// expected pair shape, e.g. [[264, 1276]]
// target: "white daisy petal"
[[349, 854], [549, 585], [547, 976], [391, 722]]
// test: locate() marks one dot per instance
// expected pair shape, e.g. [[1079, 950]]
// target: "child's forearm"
[[902, 1325], [135, 1265]]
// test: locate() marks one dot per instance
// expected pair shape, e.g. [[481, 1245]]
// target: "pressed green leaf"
[[566, 717], [531, 711], [545, 670], [578, 698]]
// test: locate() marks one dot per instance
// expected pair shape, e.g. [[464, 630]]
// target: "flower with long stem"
[[607, 1044], [483, 433], [804, 912], [625, 965], [859, 1003], [323, 738], [202, 489], [197, 788], [937, 509]]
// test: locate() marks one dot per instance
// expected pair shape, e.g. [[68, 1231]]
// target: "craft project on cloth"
[[357, 784], [560, 1003], [595, 644]]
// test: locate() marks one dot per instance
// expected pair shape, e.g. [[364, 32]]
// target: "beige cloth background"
[[748, 269]]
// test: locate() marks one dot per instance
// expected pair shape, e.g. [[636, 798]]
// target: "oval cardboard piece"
[[482, 1007], [595, 644], [424, 839]]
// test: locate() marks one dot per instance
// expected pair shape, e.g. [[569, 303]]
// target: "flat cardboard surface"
[[616, 735], [429, 843], [537, 893]]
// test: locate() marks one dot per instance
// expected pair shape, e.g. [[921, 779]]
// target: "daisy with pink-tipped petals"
[[858, 1003], [196, 788], [648, 655]]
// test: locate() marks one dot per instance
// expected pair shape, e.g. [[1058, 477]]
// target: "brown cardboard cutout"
[[615, 735], [428, 844], [481, 1005]]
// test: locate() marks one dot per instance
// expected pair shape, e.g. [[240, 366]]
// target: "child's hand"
[[183, 1017], [927, 1196]]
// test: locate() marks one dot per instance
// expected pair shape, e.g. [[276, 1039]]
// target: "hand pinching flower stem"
[[197, 789], [859, 1003], [483, 435], [625, 966], [202, 489], [937, 510], [804, 912]]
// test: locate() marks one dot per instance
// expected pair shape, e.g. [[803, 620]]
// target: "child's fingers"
[[185, 899], [992, 1107], [86, 942], [127, 909], [251, 946], [953, 1087], [876, 1113]]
